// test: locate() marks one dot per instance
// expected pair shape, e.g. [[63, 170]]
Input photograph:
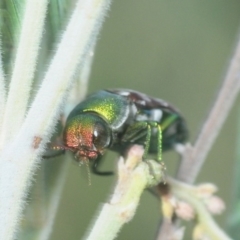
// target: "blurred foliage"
[[11, 12], [56, 16], [10, 18]]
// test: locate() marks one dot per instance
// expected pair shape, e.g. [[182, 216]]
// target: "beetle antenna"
[[57, 148]]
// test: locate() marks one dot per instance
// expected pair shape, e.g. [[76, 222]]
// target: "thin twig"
[[169, 231], [195, 157]]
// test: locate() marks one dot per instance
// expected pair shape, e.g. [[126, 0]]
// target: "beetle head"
[[87, 135]]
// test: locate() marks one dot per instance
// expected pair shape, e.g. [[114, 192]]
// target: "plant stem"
[[77, 94], [134, 175], [20, 158], [196, 156]]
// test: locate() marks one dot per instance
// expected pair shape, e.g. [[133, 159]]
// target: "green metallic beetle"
[[118, 118]]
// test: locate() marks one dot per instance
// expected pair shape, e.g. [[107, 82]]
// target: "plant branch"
[[195, 156], [77, 94], [20, 158], [24, 68], [134, 175], [169, 231]]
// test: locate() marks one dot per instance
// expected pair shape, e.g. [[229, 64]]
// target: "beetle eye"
[[101, 135]]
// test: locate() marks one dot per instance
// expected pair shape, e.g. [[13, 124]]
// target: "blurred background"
[[175, 50]]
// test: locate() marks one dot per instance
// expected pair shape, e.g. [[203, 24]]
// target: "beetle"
[[115, 119]]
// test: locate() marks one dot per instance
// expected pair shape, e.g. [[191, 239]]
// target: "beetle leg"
[[150, 126], [147, 141], [144, 129], [95, 165], [135, 132], [159, 152]]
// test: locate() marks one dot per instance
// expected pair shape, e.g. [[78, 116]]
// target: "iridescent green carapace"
[[116, 119]]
